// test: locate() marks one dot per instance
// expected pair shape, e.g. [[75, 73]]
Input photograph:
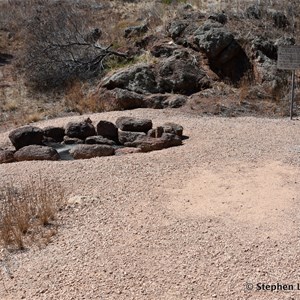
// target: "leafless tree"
[[61, 47]]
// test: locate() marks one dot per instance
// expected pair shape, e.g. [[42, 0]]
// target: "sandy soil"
[[205, 220]]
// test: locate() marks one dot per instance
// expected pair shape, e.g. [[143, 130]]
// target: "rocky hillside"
[[108, 55]]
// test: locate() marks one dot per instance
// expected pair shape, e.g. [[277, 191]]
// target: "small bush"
[[25, 211]]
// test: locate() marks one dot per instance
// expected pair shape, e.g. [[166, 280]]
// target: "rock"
[[72, 141], [89, 151], [176, 28], [98, 139], [36, 152], [118, 99], [181, 74], [127, 150], [80, 130], [213, 40], [266, 47], [165, 100], [156, 133], [175, 101], [139, 78], [55, 133], [136, 30], [25, 136], [129, 136], [147, 144], [107, 130], [280, 20], [134, 124], [6, 156], [173, 128], [226, 57], [218, 17], [163, 48], [253, 12]]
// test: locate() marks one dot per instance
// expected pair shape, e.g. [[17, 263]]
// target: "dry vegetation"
[[28, 26], [27, 212]]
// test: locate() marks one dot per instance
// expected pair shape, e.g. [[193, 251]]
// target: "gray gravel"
[[124, 240]]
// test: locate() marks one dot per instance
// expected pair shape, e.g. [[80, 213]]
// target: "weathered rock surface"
[[98, 139], [180, 73], [226, 56], [140, 79], [6, 156], [129, 136], [27, 135], [134, 124], [107, 130], [89, 151], [71, 141], [147, 144], [156, 132], [173, 128], [36, 152], [80, 130], [56, 133]]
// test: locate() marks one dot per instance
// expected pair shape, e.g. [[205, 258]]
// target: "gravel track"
[[197, 221]]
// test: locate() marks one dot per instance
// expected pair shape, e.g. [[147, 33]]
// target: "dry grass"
[[27, 213]]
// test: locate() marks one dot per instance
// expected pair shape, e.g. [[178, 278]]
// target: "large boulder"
[[89, 151], [134, 124], [27, 135], [55, 133], [6, 156], [107, 130], [98, 139], [181, 74], [80, 130], [147, 143], [129, 136], [36, 152], [226, 57], [139, 78]]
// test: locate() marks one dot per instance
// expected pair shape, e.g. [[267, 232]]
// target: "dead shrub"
[[24, 209]]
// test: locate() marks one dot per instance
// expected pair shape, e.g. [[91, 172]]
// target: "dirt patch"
[[260, 197]]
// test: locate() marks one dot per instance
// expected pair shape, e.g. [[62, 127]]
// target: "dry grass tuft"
[[28, 212]]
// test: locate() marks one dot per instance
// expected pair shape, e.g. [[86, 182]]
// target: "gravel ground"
[[205, 220]]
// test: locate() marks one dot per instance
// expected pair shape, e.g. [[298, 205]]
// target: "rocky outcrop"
[[90, 151], [180, 73], [226, 57], [140, 79], [36, 152], [25, 136], [134, 124]]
